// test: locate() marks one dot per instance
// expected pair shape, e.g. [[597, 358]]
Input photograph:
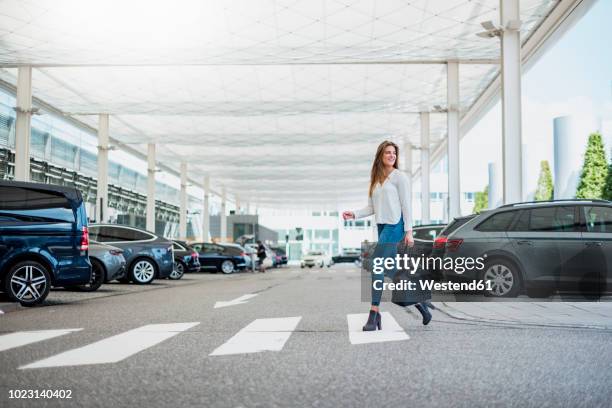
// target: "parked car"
[[148, 256], [441, 239], [316, 258], [268, 260], [107, 264], [347, 256], [186, 259], [281, 255], [220, 258], [44, 240], [239, 250], [538, 247]]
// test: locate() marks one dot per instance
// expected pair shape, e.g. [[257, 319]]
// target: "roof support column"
[[454, 188], [205, 210], [238, 205], [223, 216], [511, 101], [151, 187], [183, 203], [425, 169], [23, 124], [408, 169], [102, 189]]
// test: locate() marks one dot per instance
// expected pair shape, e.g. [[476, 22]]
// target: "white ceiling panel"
[[295, 94]]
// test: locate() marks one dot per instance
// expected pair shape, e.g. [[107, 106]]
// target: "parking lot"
[[188, 342]]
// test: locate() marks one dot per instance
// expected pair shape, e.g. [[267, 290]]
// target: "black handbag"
[[407, 297]]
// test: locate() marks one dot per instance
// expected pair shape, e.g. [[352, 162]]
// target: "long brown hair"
[[377, 176]]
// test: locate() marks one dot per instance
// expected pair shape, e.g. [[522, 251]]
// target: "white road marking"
[[115, 348], [260, 335], [238, 301], [22, 338], [391, 330]]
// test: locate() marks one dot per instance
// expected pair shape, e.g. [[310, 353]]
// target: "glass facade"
[[68, 155]]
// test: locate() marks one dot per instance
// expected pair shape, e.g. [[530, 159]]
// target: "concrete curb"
[[458, 315]]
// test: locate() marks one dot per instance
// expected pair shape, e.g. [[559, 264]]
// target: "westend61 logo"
[[410, 263]]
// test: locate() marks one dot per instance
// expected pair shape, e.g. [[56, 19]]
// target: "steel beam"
[[102, 189], [23, 123], [454, 188], [511, 102], [183, 203], [151, 170], [425, 165]]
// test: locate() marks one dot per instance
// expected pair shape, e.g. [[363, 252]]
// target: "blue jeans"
[[389, 237]]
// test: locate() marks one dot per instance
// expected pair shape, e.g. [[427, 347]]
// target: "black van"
[[44, 240]]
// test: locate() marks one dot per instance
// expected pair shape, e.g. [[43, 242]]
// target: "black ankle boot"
[[373, 322], [422, 307]]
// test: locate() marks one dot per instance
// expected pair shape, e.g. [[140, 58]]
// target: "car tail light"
[[115, 252], [440, 242], [85, 239], [453, 244], [243, 254]]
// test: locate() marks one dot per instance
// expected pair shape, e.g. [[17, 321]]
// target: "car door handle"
[[524, 242], [593, 244]]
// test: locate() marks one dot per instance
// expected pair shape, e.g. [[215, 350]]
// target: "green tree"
[[545, 183], [608, 189], [481, 201], [594, 171]]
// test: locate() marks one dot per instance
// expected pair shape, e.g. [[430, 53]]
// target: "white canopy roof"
[[282, 102]]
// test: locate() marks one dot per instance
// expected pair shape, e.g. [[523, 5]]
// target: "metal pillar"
[[223, 217], [495, 193], [425, 169], [408, 168], [183, 203], [151, 187], [102, 189], [205, 210], [248, 207], [23, 124], [454, 188], [238, 205], [511, 100]]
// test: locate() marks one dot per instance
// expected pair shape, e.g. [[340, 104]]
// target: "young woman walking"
[[389, 201]]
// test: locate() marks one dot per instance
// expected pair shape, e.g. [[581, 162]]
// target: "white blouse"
[[390, 201]]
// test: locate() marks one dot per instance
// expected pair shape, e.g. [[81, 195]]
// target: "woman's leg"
[[389, 236]]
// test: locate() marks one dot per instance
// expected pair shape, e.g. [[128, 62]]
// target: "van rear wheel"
[[28, 283]]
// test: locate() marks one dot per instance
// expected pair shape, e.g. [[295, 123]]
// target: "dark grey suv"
[[148, 256], [537, 247]]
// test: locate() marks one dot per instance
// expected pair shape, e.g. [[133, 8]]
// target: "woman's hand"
[[408, 239], [348, 215]]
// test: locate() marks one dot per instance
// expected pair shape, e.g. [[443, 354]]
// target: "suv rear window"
[[598, 219], [497, 222], [19, 204], [427, 234], [455, 224], [116, 234]]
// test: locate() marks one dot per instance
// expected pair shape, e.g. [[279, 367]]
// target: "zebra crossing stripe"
[[22, 338], [115, 348], [391, 330], [260, 335]]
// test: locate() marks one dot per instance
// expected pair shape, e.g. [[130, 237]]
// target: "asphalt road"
[[314, 363]]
